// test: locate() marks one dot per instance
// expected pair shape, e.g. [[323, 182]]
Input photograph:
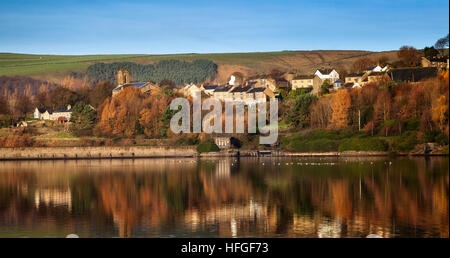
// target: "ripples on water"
[[250, 197]]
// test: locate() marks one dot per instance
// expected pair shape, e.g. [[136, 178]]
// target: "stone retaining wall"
[[95, 152]]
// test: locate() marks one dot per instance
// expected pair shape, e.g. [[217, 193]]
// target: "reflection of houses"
[[61, 114], [53, 198], [223, 168], [230, 218]]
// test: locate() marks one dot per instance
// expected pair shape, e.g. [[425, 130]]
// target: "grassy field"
[[38, 65]]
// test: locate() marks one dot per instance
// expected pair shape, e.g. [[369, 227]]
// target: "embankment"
[[105, 152], [43, 153]]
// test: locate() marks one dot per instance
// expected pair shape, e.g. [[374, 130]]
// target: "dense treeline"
[[394, 116], [19, 85], [180, 72], [15, 107]]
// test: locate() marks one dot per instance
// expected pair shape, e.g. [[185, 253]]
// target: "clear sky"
[[213, 26]]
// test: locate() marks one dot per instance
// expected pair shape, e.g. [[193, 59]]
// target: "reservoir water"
[[226, 197]]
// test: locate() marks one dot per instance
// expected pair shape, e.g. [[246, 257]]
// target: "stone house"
[[302, 82], [209, 89], [62, 114], [223, 92], [124, 81], [354, 77], [441, 63]]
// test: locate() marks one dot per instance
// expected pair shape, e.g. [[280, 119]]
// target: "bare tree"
[[408, 55], [442, 43]]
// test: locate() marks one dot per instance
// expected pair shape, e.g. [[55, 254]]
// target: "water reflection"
[[250, 197]]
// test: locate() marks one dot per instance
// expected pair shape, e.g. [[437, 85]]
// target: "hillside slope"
[[48, 67]]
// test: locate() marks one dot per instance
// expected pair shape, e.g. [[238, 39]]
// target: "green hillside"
[[35, 65]]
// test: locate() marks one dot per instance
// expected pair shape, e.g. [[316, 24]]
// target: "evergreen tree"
[[82, 117]]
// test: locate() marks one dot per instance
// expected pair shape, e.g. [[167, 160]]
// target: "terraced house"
[[302, 82]]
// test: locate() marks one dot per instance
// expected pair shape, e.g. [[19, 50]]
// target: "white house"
[[329, 74], [38, 113], [61, 114], [191, 89], [377, 69]]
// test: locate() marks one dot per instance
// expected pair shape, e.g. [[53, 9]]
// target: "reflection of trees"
[[350, 199]]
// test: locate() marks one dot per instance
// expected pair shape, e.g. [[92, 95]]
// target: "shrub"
[[16, 139], [186, 141], [442, 139], [317, 145], [429, 136], [314, 141], [208, 146], [362, 144], [412, 124], [405, 142]]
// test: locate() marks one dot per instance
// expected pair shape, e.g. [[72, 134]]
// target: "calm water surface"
[[250, 197]]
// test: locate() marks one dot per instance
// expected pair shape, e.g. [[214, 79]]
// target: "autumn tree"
[[100, 92], [276, 74], [167, 83], [382, 110], [408, 55], [41, 100], [320, 113], [4, 109], [383, 60], [361, 64], [60, 97], [440, 112], [340, 104], [23, 106]]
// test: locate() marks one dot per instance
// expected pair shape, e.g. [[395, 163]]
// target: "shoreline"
[[147, 152]]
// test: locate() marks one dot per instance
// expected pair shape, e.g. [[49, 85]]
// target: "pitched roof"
[[223, 88], [133, 84], [62, 109], [241, 89], [41, 110], [325, 70], [348, 84], [377, 73], [413, 74], [355, 75], [303, 77], [210, 87], [257, 89]]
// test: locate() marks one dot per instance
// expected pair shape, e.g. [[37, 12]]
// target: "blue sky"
[[158, 27]]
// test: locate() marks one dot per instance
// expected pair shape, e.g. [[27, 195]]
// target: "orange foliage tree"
[[340, 104]]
